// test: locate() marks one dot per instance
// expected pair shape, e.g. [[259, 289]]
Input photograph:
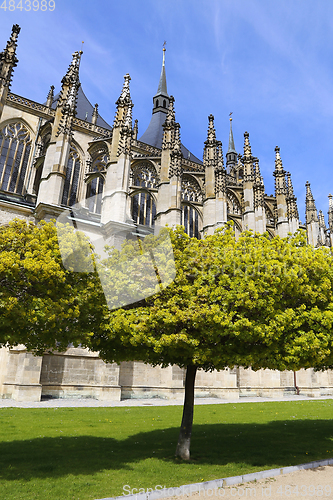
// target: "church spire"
[[161, 98], [231, 153], [162, 85]]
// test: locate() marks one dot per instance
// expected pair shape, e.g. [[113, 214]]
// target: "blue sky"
[[268, 62]]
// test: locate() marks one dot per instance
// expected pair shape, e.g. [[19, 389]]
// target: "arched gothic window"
[[233, 206], [191, 190], [143, 209], [190, 220], [14, 156], [144, 175], [94, 194], [69, 196], [96, 183]]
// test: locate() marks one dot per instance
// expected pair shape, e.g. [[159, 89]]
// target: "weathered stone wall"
[[79, 373]]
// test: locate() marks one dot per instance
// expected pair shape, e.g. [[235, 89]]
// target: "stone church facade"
[[62, 153]]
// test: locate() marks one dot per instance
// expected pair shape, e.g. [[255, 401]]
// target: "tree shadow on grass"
[[273, 444]]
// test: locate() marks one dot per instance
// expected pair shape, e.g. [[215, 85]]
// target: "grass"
[[90, 453]]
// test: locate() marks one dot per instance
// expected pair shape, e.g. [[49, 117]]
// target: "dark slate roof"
[[84, 109], [154, 133], [154, 136]]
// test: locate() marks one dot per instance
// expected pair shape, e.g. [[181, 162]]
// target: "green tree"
[[259, 302], [42, 304]]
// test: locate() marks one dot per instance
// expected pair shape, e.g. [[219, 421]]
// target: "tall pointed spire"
[[161, 101], [231, 146], [162, 85], [161, 98]]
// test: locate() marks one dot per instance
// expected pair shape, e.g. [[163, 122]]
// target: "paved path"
[[90, 403]]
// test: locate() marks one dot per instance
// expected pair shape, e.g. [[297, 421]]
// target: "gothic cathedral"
[[62, 153]]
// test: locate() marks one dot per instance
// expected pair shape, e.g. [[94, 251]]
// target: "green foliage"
[[42, 303], [260, 302]]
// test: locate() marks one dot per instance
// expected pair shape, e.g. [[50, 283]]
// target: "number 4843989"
[[28, 5]]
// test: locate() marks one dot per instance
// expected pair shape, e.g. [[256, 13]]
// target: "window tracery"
[[14, 156], [191, 190], [69, 196], [190, 220], [233, 206], [144, 175], [143, 209]]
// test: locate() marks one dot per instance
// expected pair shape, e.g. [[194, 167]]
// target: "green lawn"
[[90, 453]]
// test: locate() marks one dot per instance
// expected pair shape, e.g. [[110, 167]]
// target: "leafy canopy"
[[260, 302], [41, 302]]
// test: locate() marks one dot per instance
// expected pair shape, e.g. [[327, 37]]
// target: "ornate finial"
[[247, 146], [50, 97], [8, 59], [211, 144], [310, 205], [330, 201], [176, 154], [330, 212], [169, 125], [230, 115], [291, 200], [290, 185], [125, 96], [279, 174], [68, 95], [321, 220], [170, 119]]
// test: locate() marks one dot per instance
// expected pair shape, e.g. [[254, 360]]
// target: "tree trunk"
[[184, 439]]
